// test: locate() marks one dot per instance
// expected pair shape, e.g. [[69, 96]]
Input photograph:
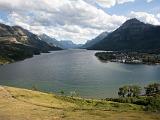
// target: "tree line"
[[135, 91]]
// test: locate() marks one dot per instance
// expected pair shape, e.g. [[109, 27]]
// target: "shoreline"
[[37, 105], [154, 64], [129, 58], [4, 61]]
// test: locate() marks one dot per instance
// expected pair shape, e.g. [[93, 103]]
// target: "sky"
[[76, 20]]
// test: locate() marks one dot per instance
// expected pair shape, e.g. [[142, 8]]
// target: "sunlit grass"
[[4, 60], [22, 104]]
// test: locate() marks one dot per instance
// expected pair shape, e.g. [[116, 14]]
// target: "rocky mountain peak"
[[132, 23]]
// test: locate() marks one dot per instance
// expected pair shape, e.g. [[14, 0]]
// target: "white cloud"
[[68, 19], [145, 17], [106, 3], [148, 1], [158, 15], [110, 3], [124, 1]]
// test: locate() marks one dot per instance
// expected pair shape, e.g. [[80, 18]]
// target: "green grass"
[[22, 104], [100, 104]]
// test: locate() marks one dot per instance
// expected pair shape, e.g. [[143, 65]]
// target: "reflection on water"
[[78, 70]]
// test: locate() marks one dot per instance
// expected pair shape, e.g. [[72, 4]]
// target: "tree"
[[152, 89], [129, 91], [123, 91], [135, 90]]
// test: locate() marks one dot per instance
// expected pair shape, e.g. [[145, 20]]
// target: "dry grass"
[[21, 104], [4, 61]]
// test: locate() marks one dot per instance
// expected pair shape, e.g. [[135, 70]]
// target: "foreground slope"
[[22, 104], [133, 35]]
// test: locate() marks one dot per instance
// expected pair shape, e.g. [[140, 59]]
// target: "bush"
[[153, 103]]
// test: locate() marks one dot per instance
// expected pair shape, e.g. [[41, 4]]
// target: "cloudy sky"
[[76, 20]]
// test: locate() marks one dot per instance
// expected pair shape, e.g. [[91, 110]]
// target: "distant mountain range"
[[49, 40], [92, 42], [65, 44], [17, 43], [133, 35]]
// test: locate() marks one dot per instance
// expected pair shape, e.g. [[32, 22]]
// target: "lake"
[[76, 70]]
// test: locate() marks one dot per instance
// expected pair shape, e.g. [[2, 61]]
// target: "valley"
[[80, 81], [79, 59]]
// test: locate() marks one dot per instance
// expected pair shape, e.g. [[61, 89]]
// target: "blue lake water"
[[76, 70]]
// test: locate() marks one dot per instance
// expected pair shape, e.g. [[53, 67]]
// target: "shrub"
[[153, 103], [152, 89]]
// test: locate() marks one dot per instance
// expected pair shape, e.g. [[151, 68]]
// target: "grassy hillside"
[[22, 104], [4, 60]]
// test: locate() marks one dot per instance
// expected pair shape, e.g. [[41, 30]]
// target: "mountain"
[[65, 44], [131, 36], [17, 43], [90, 43], [50, 40]]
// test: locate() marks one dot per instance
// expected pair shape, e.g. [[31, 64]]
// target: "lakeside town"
[[129, 57]]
